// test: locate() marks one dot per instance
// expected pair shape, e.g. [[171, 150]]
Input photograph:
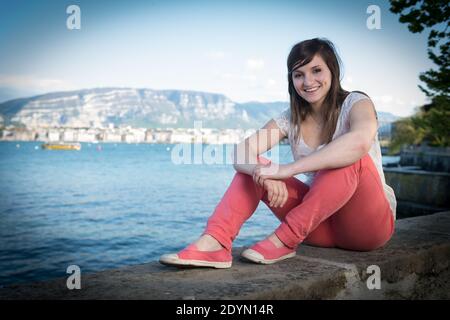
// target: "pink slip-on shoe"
[[266, 252], [191, 256]]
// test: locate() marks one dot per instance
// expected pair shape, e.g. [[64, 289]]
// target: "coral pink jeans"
[[344, 207]]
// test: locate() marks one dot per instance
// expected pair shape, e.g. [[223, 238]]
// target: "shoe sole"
[[177, 262], [253, 256]]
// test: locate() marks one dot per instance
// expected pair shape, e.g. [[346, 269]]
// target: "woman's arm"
[[349, 147], [246, 153], [343, 151]]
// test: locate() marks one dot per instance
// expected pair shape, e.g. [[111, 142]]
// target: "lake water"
[[106, 206]]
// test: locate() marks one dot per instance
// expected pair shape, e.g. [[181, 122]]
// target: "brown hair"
[[301, 54]]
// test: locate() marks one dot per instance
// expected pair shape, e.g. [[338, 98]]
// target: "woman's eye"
[[317, 70], [297, 75]]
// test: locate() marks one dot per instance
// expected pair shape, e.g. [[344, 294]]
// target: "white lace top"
[[301, 149]]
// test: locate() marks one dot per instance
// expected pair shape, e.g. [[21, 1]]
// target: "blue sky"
[[237, 48]]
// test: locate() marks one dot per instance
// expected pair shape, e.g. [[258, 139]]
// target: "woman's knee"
[[364, 161], [244, 180]]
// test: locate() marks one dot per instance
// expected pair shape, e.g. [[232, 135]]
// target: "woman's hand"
[[273, 171], [277, 192]]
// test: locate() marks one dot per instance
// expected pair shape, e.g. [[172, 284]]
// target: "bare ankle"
[[275, 240], [208, 243]]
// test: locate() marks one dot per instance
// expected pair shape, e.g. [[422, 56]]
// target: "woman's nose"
[[308, 81]]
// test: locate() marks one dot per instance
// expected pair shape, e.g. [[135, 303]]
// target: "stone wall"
[[418, 192], [429, 188], [427, 158]]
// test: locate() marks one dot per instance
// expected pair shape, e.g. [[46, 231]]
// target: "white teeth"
[[312, 89]]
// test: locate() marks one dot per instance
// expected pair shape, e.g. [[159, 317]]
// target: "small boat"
[[61, 146]]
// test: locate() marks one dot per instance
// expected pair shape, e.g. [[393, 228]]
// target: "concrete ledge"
[[414, 265]]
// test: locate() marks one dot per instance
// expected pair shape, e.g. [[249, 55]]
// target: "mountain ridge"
[[141, 107]]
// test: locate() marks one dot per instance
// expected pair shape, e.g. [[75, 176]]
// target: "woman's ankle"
[[276, 241], [208, 243]]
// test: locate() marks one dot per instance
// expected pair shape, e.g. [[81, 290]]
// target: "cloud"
[[215, 55], [401, 102], [255, 64], [271, 83], [348, 83], [349, 79], [33, 83], [397, 106], [238, 76], [386, 99]]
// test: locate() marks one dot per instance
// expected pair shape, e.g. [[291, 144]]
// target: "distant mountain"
[[140, 108]]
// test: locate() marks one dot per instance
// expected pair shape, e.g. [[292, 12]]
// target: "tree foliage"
[[430, 124], [434, 14]]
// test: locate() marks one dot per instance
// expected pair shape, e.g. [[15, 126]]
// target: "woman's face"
[[313, 81]]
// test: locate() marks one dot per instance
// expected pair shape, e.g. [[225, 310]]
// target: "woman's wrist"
[[294, 168]]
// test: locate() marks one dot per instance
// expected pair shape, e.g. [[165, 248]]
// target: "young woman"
[[344, 203]]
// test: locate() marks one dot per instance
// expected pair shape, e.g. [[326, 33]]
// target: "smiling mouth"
[[310, 90]]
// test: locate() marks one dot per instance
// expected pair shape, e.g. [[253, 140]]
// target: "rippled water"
[[105, 206]]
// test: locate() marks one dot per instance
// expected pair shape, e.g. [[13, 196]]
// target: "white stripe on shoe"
[[172, 259], [257, 257]]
